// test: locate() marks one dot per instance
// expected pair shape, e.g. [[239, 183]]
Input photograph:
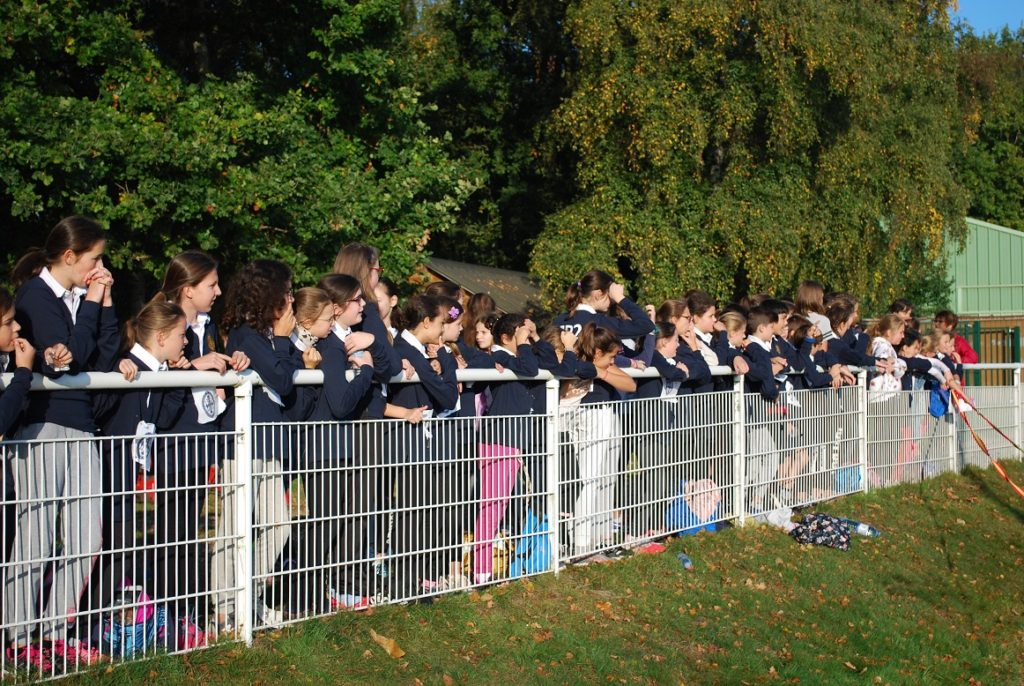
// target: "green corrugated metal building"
[[988, 276]]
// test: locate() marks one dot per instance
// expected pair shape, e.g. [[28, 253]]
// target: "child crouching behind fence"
[[128, 577], [594, 429]]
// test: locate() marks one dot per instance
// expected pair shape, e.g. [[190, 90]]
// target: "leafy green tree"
[[248, 129], [992, 96], [743, 146], [494, 71]]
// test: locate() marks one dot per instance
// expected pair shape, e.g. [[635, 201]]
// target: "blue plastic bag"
[[938, 402], [533, 550]]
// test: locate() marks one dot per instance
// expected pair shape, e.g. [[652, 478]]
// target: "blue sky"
[[991, 15]]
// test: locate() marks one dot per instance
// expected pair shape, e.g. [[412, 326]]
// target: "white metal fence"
[[211, 544]]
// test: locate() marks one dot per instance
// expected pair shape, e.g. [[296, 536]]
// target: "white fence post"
[[554, 479], [739, 441], [1018, 411], [243, 509], [862, 428]]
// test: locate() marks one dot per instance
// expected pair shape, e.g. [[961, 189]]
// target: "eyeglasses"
[[360, 300], [379, 270]]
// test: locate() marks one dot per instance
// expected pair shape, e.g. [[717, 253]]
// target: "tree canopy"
[[249, 129], [732, 145]]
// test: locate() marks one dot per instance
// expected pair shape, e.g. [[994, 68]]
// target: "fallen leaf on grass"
[[448, 681], [387, 644], [542, 636]]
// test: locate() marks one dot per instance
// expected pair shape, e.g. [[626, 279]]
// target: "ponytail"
[[416, 309], [75, 233], [186, 269], [594, 280], [156, 316]]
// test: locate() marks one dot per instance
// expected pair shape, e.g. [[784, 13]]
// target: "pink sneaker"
[[190, 636], [31, 657], [75, 652]]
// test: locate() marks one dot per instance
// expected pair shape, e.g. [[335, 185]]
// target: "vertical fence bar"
[[1018, 411], [955, 464], [862, 428], [243, 509], [554, 479], [739, 441]]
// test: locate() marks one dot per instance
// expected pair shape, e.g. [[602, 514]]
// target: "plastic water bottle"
[[862, 529], [685, 560]]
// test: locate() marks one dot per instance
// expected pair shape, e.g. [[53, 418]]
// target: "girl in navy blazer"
[[192, 282], [337, 477], [414, 450], [504, 441], [595, 431], [64, 306], [133, 421], [588, 300], [260, 321]]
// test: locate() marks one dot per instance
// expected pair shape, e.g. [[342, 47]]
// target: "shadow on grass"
[[976, 476]]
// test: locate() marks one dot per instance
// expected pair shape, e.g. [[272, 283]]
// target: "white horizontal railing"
[[385, 511]]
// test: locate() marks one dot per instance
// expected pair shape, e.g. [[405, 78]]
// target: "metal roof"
[[988, 276], [512, 291]]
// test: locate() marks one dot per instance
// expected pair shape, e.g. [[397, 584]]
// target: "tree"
[[992, 97], [285, 143], [494, 71], [742, 146]]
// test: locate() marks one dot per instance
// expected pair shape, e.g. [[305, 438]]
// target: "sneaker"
[[268, 617], [190, 636], [31, 657], [616, 553], [76, 652], [652, 548], [346, 601]]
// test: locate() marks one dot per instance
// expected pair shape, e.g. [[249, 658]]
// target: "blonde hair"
[[929, 343], [886, 325], [157, 315], [310, 302], [733, 321]]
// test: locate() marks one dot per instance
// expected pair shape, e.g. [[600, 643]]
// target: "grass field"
[[937, 599]]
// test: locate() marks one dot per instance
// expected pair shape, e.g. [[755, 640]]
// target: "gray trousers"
[[57, 472], [270, 529]]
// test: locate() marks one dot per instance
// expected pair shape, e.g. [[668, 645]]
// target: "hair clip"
[[579, 284], [454, 313]]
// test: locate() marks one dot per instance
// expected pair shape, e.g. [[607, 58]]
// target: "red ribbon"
[[956, 397]]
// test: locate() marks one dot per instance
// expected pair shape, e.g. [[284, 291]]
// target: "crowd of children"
[[389, 505]]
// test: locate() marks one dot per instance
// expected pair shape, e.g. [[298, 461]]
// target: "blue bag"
[[848, 479], [938, 402], [533, 550]]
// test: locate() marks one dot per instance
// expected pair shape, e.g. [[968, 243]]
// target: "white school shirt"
[[766, 345], [71, 298], [199, 329], [670, 389], [415, 342], [709, 355], [208, 404]]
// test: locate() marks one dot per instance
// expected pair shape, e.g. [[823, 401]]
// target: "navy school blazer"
[[93, 339]]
